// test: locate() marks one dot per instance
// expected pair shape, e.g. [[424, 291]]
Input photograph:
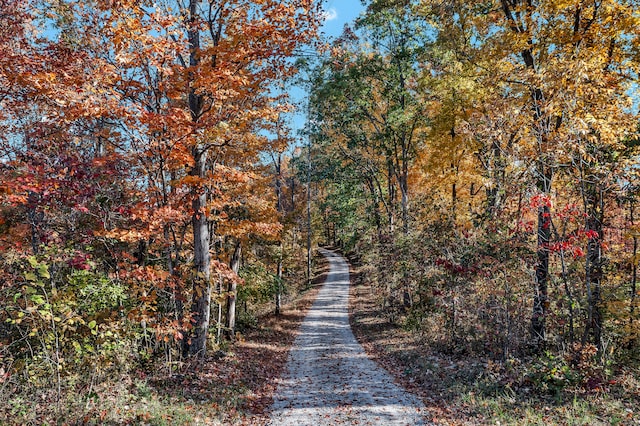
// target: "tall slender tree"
[[550, 60]]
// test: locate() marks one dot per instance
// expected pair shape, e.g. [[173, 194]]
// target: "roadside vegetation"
[[472, 388], [478, 161]]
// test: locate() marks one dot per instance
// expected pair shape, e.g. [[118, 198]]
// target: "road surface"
[[329, 379]]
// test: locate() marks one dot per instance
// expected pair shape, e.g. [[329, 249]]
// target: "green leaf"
[[32, 261], [30, 276], [92, 324], [37, 299], [43, 271]]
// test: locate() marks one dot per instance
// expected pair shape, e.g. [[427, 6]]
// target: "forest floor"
[[239, 387], [236, 385], [459, 390], [232, 386]]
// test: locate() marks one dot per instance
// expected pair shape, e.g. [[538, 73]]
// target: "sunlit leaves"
[[99, 146]]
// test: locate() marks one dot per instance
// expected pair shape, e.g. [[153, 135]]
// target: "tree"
[[175, 94], [215, 92], [551, 60], [372, 81]]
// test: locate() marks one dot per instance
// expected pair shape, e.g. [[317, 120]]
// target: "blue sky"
[[338, 13]]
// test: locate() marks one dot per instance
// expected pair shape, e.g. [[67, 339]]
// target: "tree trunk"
[[634, 266], [569, 295], [391, 196], [497, 165], [34, 218], [404, 200], [541, 127], [233, 289], [280, 209], [202, 262], [540, 297], [308, 214], [279, 285], [201, 304], [375, 205], [593, 267]]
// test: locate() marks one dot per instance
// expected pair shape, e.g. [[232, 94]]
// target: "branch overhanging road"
[[329, 379]]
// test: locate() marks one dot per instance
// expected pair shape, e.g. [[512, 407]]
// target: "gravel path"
[[329, 379]]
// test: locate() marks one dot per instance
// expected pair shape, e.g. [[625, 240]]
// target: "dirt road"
[[330, 380]]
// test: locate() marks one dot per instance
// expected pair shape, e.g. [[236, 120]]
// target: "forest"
[[476, 161]]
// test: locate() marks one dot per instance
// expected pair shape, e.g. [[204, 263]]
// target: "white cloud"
[[330, 14]]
